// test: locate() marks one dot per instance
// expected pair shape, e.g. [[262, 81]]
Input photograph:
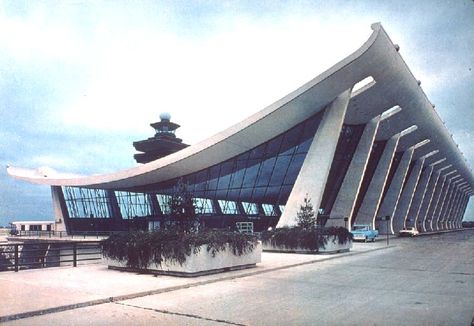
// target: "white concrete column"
[[346, 198], [401, 212], [59, 218], [450, 213], [457, 209], [457, 214], [420, 194], [447, 201], [373, 196], [427, 200], [462, 211], [436, 202], [313, 175], [390, 202], [441, 202]]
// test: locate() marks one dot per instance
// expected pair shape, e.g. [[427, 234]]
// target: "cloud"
[[79, 81]]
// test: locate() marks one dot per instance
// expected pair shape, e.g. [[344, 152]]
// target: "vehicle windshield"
[[358, 227]]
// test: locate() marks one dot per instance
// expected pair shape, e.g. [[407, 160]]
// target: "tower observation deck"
[[162, 144]]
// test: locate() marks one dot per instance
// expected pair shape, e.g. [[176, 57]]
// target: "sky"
[[81, 80]]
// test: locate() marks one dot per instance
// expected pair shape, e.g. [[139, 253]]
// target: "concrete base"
[[198, 264], [332, 246]]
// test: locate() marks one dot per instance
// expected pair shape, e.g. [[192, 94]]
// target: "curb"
[[51, 310]]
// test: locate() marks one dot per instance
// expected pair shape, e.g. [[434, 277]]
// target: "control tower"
[[163, 143]]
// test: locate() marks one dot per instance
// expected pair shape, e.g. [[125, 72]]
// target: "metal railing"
[[64, 234], [31, 255]]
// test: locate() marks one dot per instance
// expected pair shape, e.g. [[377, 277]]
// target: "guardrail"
[[64, 234], [31, 255]]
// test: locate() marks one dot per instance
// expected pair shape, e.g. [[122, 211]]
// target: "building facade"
[[361, 140]]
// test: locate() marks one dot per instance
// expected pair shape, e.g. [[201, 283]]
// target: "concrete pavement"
[[418, 281]]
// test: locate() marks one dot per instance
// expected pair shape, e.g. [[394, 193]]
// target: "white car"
[[408, 232]]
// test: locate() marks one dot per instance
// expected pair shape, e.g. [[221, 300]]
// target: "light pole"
[[387, 218]]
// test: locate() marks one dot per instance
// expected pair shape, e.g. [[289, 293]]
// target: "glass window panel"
[[133, 204], [271, 194], [233, 194], [246, 194], [294, 169], [282, 208], [250, 208], [164, 202], [284, 194], [226, 174], [210, 194], [279, 171], [201, 181], [228, 207], [258, 194], [265, 172], [251, 173], [290, 140], [221, 194], [203, 206], [269, 210], [87, 203], [213, 177], [238, 175]]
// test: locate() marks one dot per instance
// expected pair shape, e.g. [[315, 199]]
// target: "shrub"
[[305, 218], [182, 214], [308, 239], [139, 249]]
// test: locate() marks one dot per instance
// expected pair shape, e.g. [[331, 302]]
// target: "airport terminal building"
[[361, 140]]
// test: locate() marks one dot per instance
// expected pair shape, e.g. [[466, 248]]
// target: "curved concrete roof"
[[377, 57]]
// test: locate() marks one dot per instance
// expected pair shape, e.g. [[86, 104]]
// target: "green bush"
[[308, 239], [139, 249]]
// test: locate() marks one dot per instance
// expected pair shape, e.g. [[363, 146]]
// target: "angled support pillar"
[[447, 203], [61, 215], [394, 191], [441, 202], [427, 200], [452, 209], [406, 198], [373, 196], [457, 210], [464, 199], [346, 198], [419, 196], [436, 197], [462, 210], [315, 170]]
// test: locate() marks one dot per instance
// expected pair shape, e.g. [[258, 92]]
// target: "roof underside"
[[394, 85]]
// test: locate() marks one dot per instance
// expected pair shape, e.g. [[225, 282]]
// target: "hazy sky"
[[81, 80]]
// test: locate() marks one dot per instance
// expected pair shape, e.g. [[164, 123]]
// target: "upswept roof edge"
[[256, 129]]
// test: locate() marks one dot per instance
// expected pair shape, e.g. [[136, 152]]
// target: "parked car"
[[408, 232], [364, 232]]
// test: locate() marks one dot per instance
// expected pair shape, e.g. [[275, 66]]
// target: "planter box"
[[198, 264], [332, 246]]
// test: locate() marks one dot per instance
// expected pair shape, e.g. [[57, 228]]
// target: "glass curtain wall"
[[249, 184]]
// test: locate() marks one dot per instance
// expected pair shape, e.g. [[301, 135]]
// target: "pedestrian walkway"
[[37, 292]]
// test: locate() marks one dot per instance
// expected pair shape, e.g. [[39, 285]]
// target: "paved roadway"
[[428, 280]]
